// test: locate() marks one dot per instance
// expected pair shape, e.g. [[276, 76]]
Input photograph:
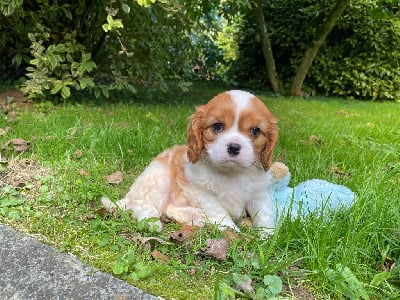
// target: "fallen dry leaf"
[[387, 266], [347, 114], [183, 235], [192, 271], [230, 234], [78, 153], [314, 139], [18, 183], [114, 178], [4, 131], [105, 212], [342, 112], [83, 172], [72, 131], [18, 145], [339, 173], [157, 255], [121, 125], [217, 248]]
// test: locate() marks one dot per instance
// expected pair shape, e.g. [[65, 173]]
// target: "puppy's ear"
[[272, 138], [195, 137]]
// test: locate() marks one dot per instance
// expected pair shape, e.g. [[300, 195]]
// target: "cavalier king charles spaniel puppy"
[[219, 176]]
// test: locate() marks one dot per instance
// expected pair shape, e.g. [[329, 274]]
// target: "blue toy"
[[311, 195]]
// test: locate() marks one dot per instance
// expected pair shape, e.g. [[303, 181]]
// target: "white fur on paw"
[[107, 203]]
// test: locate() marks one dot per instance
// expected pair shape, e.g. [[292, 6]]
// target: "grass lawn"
[[52, 188]]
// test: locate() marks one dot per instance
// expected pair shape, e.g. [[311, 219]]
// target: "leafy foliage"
[[360, 58], [58, 67], [129, 263], [347, 283], [100, 46], [10, 199], [273, 285]]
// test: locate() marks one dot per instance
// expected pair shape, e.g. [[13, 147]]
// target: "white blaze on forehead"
[[241, 100]]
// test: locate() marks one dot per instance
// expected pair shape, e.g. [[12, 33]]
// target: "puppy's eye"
[[255, 131], [217, 127]]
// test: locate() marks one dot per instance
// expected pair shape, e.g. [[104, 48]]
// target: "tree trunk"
[[318, 40], [266, 47]]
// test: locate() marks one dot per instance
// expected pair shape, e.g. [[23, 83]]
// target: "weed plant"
[[353, 253]]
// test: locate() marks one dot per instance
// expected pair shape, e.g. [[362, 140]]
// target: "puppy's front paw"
[[108, 204]]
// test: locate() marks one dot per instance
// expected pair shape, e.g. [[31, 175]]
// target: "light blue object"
[[313, 195]]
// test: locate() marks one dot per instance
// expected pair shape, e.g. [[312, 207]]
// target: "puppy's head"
[[234, 129]]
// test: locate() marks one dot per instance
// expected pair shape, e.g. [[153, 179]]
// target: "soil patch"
[[24, 175]]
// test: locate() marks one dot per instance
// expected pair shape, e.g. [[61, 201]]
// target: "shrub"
[[98, 45], [360, 58], [58, 67]]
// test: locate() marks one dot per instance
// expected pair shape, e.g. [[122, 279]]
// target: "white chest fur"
[[233, 190]]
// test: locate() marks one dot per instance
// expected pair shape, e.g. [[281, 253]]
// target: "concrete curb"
[[32, 270]]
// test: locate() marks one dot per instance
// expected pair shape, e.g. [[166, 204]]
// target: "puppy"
[[219, 176]]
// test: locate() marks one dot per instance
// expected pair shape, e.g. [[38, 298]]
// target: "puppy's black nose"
[[234, 149]]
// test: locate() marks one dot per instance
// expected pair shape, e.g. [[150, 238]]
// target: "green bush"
[[58, 67], [359, 59], [99, 45], [362, 58]]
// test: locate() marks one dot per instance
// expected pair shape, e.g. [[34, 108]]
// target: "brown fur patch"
[[258, 115], [219, 109], [177, 207], [174, 159]]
